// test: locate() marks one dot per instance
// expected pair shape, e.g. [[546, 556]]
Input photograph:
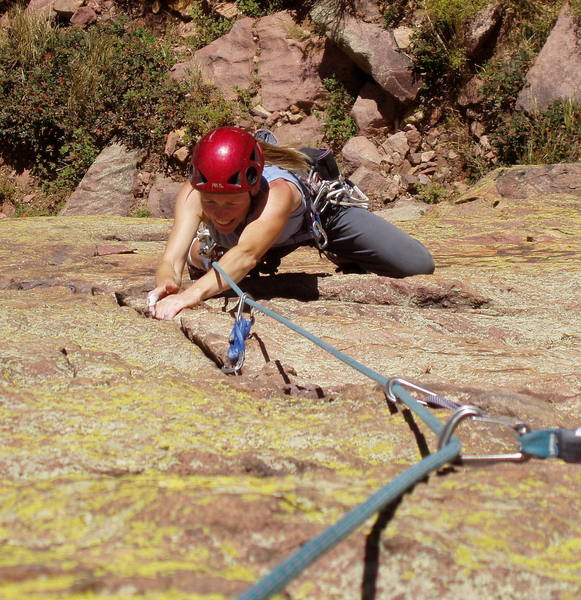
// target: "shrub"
[[209, 26], [503, 80], [432, 193], [7, 190], [253, 8], [206, 108], [393, 12], [66, 93], [438, 53], [544, 138], [338, 125]]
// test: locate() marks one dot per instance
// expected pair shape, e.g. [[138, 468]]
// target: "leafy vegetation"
[[338, 124], [432, 193], [209, 25], [66, 93], [545, 138], [254, 8]]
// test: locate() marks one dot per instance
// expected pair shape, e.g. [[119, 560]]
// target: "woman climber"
[[255, 212]]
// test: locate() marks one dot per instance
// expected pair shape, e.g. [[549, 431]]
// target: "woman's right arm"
[[188, 214]]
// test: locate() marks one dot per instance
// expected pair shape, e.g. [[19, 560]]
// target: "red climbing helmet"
[[225, 161]]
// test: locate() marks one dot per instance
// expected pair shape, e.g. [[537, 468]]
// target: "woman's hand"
[[157, 294], [167, 308]]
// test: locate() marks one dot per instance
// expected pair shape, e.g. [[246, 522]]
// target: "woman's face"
[[226, 211]]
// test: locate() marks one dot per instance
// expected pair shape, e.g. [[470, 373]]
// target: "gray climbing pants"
[[358, 236]]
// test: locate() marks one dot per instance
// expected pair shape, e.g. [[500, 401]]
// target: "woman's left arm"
[[256, 239]]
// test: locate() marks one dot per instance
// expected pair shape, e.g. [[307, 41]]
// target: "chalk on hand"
[[152, 299]]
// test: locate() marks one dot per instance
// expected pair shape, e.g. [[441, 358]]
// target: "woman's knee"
[[418, 262]]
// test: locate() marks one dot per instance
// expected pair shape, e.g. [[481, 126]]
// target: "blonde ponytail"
[[285, 157]]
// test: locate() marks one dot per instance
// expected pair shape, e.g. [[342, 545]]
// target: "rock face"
[[268, 56], [130, 465], [556, 73], [288, 69], [227, 62], [107, 187], [372, 48]]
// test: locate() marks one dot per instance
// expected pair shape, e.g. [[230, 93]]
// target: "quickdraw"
[[238, 335]]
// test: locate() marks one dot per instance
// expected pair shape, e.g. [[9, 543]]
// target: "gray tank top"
[[296, 230]]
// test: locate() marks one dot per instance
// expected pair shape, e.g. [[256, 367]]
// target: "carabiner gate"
[[476, 414]]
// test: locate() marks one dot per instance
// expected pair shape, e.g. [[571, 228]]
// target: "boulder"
[[360, 151], [556, 73], [413, 136], [85, 15], [528, 182], [471, 92], [66, 8], [287, 68], [107, 187], [372, 48], [373, 110], [162, 197], [309, 132], [482, 30], [374, 184], [226, 62], [403, 37], [396, 148]]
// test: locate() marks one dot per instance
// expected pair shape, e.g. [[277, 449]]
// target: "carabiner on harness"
[[208, 249], [238, 335]]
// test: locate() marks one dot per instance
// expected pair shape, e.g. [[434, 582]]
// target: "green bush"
[[503, 80], [438, 53], [7, 190], [544, 138], [209, 26], [393, 12], [66, 93], [254, 8], [432, 193], [338, 125]]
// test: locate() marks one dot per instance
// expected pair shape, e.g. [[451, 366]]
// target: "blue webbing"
[[238, 335], [308, 553]]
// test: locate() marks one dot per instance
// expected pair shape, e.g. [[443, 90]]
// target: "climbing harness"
[[325, 186], [238, 335], [556, 443]]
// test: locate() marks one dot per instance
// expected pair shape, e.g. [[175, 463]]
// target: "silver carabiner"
[[235, 369], [240, 308], [403, 382], [476, 414], [321, 238]]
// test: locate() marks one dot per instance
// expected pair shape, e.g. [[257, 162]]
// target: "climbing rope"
[[556, 442]]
